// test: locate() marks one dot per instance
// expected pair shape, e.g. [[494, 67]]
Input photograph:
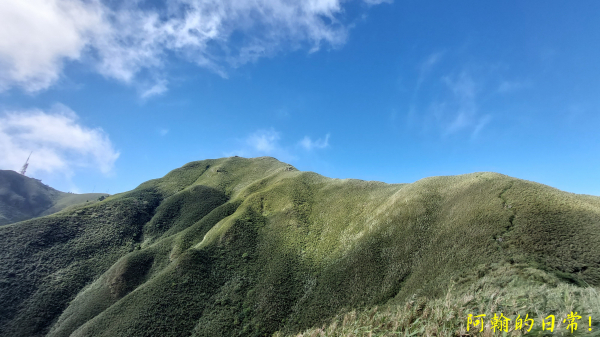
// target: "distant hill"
[[24, 198], [254, 247]]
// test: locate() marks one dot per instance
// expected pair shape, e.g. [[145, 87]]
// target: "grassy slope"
[[68, 200], [251, 246], [515, 290], [23, 198]]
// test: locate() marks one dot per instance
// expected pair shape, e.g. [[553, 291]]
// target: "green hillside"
[[254, 247], [24, 198]]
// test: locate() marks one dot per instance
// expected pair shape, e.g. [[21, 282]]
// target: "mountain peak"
[[23, 198]]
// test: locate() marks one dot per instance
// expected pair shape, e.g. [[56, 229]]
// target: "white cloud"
[[309, 144], [163, 132], [38, 36], [267, 142], [377, 2], [264, 141], [58, 140], [158, 88]]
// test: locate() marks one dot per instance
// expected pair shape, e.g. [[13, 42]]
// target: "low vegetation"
[[23, 198], [517, 292], [254, 247]]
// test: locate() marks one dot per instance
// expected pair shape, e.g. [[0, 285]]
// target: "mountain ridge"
[[24, 198], [248, 247]]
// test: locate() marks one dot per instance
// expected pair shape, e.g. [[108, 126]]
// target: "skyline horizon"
[[114, 94]]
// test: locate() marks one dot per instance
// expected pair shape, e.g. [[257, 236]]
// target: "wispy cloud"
[[426, 67], [377, 2], [121, 39], [455, 100], [481, 123], [58, 140], [283, 113], [156, 89], [163, 131], [457, 109], [463, 100], [308, 144], [463, 106], [511, 86], [268, 142], [264, 141]]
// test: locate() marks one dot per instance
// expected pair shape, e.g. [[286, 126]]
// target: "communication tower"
[[26, 164]]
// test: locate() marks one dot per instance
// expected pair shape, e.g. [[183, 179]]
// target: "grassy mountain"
[[24, 198], [254, 247]]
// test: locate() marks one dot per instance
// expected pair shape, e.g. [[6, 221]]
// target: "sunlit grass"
[[248, 247], [521, 298]]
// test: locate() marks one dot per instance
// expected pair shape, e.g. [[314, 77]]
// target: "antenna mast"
[[26, 164]]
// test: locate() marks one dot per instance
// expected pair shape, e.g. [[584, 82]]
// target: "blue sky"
[[108, 96]]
